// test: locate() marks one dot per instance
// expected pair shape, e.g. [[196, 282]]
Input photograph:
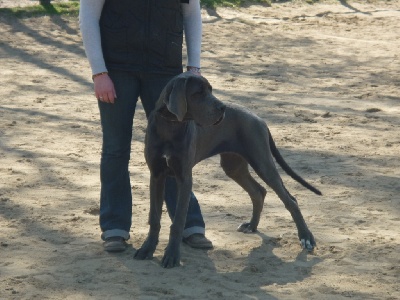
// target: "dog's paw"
[[146, 251], [246, 228], [143, 254], [308, 242], [171, 259]]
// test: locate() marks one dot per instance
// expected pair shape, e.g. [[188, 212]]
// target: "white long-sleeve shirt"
[[89, 17]]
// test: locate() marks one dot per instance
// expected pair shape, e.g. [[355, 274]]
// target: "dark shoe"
[[114, 244], [198, 241]]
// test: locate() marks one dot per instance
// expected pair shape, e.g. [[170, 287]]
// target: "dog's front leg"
[[156, 202], [172, 252]]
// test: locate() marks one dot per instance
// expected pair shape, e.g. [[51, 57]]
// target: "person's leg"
[[117, 122], [194, 232]]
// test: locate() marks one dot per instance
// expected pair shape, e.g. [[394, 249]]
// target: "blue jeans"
[[117, 123]]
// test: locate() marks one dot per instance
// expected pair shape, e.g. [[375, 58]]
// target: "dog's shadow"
[[224, 272], [266, 264]]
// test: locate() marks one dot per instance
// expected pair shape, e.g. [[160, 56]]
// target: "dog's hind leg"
[[237, 168], [270, 175]]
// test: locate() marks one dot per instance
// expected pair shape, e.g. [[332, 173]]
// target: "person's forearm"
[[193, 31], [89, 16]]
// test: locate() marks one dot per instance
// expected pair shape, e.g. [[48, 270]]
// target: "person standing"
[[134, 48]]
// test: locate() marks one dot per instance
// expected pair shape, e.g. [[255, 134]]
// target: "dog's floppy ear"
[[176, 100]]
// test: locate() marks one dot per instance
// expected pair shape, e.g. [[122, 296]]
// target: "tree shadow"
[[349, 6]]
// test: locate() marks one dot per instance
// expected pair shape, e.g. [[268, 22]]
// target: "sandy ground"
[[326, 79]]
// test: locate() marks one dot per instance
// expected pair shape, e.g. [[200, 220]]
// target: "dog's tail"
[[279, 159]]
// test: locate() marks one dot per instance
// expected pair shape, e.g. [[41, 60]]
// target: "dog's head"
[[189, 96]]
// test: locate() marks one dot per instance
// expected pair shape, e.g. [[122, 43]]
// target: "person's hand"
[[104, 88]]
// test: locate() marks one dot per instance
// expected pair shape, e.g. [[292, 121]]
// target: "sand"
[[326, 79]]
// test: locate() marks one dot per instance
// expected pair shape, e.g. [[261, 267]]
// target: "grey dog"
[[190, 124]]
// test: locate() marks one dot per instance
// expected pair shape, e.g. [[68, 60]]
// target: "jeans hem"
[[192, 230]]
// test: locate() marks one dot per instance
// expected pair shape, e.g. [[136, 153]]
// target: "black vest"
[[142, 35]]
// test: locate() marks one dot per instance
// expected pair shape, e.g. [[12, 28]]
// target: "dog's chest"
[[174, 157], [167, 158], [167, 153]]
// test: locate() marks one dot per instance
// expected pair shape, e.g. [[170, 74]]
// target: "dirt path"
[[326, 79]]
